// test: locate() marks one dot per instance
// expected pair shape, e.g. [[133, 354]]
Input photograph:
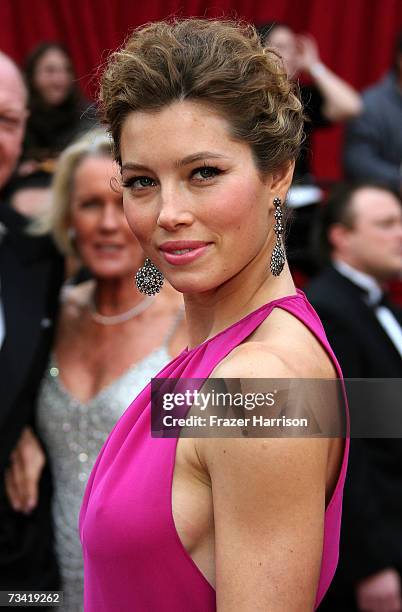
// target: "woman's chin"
[[192, 285], [110, 274]]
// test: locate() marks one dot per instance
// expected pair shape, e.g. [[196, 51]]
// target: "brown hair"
[[219, 63]]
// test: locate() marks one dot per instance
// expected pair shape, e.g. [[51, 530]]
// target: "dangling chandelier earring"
[[149, 279], [278, 253]]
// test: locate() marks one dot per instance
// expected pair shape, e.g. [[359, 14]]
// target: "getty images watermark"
[[246, 407], [216, 407], [206, 401]]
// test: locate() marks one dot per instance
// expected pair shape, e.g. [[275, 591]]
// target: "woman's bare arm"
[[269, 506]]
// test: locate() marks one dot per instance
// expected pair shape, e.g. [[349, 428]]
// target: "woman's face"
[[193, 196], [53, 76], [103, 238]]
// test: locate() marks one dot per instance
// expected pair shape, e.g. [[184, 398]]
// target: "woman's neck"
[[114, 296], [210, 312]]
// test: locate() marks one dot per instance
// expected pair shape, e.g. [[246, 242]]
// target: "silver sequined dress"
[[74, 433]]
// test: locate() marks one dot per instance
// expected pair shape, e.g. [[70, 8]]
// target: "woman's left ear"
[[282, 179]]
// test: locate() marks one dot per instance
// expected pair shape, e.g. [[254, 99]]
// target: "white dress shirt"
[[385, 317]]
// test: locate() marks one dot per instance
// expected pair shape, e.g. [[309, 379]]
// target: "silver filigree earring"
[[278, 253], [149, 279]]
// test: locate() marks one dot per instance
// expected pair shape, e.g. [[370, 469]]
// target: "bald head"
[[13, 80], [13, 113]]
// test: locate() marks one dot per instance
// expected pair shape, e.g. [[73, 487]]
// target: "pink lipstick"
[[183, 251]]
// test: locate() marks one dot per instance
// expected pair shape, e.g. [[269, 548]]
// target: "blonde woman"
[[109, 342]]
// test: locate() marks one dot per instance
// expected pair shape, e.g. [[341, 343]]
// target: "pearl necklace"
[[122, 317]]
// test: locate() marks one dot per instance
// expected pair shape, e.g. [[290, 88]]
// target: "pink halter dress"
[[134, 560]]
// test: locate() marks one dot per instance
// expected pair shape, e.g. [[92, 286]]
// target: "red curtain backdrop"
[[355, 37]]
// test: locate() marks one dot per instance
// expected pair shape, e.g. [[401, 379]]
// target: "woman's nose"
[[111, 217], [174, 211]]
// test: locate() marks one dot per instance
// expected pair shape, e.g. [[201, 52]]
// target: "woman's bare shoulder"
[[282, 347]]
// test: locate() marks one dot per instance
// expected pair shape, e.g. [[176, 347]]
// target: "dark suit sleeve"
[[362, 158], [27, 558], [22, 411], [348, 353], [367, 543]]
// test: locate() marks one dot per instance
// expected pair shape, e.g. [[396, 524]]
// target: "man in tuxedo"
[[30, 277], [361, 237]]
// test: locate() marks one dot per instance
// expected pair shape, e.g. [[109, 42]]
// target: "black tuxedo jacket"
[[31, 273], [371, 538]]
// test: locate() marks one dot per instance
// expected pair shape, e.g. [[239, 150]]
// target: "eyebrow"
[[190, 159], [198, 157]]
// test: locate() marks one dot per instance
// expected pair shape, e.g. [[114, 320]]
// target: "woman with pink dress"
[[206, 128]]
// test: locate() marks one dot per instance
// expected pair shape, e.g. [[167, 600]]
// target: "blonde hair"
[[56, 220], [219, 63]]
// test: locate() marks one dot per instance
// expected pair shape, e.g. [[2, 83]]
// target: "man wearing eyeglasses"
[[30, 276]]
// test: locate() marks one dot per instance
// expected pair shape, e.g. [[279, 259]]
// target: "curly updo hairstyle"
[[221, 64]]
